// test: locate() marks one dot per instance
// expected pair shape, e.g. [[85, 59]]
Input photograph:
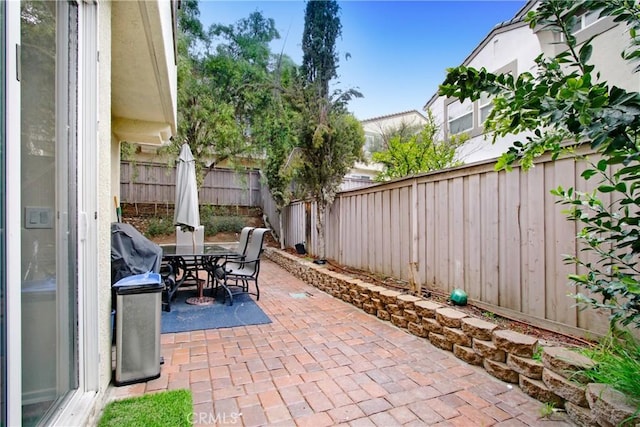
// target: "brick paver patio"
[[322, 362]]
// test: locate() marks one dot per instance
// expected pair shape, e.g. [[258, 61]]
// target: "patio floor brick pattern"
[[323, 362]]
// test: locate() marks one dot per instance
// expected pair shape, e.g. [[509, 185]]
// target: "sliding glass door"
[[3, 268], [48, 81]]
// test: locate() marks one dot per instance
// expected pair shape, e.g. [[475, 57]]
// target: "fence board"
[[378, 235], [457, 247], [394, 235], [365, 247], [442, 233], [510, 290], [535, 238], [371, 232], [473, 238], [404, 232], [353, 246], [593, 320], [560, 241], [490, 238], [385, 265], [429, 265], [334, 227]]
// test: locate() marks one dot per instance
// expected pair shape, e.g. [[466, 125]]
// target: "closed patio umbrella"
[[186, 214]]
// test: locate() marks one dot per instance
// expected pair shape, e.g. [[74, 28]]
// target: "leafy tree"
[[320, 59], [331, 139], [404, 131], [565, 101], [235, 98], [240, 68], [221, 91], [205, 123], [407, 153], [191, 30], [277, 129]]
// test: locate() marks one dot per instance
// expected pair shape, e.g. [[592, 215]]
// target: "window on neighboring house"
[[585, 19], [373, 143], [460, 116], [485, 105]]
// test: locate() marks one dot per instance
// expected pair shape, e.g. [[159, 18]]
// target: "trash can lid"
[[139, 283]]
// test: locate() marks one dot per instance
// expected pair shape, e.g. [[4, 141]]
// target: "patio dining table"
[[186, 261]]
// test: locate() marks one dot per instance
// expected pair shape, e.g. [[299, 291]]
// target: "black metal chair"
[[238, 273], [168, 275]]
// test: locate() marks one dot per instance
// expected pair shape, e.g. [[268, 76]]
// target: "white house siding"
[[516, 43], [607, 47], [510, 48]]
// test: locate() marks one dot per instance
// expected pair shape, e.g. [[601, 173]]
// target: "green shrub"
[[208, 211], [159, 226], [219, 224]]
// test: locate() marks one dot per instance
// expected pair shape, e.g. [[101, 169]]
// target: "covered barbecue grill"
[[132, 253]]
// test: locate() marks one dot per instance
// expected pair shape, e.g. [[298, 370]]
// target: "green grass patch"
[[617, 358], [167, 408]]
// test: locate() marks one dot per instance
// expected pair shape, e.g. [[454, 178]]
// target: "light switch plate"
[[38, 217]]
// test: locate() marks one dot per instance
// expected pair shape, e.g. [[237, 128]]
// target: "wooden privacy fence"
[[142, 182], [500, 236]]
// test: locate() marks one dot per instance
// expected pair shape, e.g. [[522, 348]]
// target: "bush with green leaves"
[[563, 105], [223, 224], [405, 155], [218, 219], [159, 226]]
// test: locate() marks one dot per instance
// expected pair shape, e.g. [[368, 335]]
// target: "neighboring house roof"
[[392, 116]]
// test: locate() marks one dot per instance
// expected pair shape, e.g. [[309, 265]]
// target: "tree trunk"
[[321, 208], [281, 234]]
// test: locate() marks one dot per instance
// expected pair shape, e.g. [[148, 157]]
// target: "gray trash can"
[[138, 307]]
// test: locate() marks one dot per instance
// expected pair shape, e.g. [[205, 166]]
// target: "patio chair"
[[237, 273], [211, 264], [243, 241]]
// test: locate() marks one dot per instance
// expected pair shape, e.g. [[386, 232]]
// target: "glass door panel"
[[48, 92], [3, 269]]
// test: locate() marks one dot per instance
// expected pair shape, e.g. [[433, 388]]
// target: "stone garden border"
[[510, 356]]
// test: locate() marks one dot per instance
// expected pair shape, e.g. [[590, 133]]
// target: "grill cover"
[[132, 253]]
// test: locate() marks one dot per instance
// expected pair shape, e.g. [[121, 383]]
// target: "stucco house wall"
[[512, 46], [509, 47]]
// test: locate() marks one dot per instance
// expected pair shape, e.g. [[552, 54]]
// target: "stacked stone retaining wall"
[[545, 373]]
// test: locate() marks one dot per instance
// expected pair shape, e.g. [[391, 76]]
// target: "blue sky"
[[399, 49]]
